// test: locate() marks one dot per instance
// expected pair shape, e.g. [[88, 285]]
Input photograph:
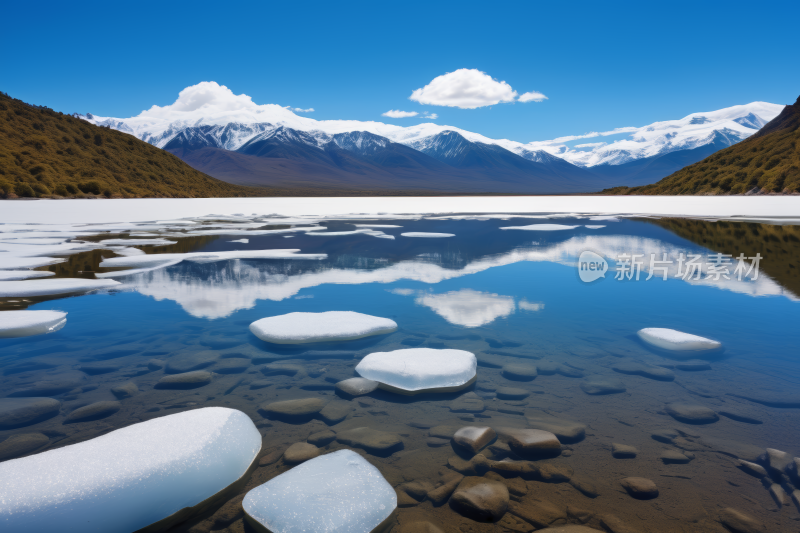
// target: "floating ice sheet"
[[416, 369], [155, 260], [428, 235], [16, 275], [15, 263], [339, 492], [670, 339], [52, 287], [27, 323], [136, 242], [300, 328], [594, 226], [130, 478], [542, 227]]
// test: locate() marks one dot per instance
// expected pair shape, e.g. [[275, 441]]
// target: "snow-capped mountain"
[[209, 116], [235, 120]]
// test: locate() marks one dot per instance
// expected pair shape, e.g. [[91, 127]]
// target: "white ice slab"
[[130, 478], [300, 328], [9, 262], [52, 287], [427, 235], [670, 339], [542, 227], [594, 226], [241, 241], [137, 242], [339, 492], [16, 275], [417, 369], [152, 260], [27, 323]]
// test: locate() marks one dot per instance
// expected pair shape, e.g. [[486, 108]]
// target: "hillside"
[[767, 162], [44, 153]]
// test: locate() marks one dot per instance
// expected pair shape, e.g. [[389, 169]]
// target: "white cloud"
[[530, 306], [533, 96], [466, 89], [301, 110], [467, 307], [395, 113], [590, 145], [430, 116]]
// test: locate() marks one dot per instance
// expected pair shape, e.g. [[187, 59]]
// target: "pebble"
[[93, 411], [779, 495], [778, 460], [481, 499], [19, 412], [270, 457], [434, 442], [665, 435], [512, 393], [468, 403], [739, 417], [585, 486], [597, 385], [292, 409], [232, 365], [186, 362], [623, 451], [46, 388], [350, 388], [567, 431], [126, 390], [187, 380], [373, 441], [753, 469], [21, 444], [539, 513], [260, 384], [520, 372], [283, 369], [441, 494], [675, 457], [691, 414], [97, 369], [443, 432], [474, 438], [300, 452], [321, 438], [739, 522], [648, 371], [335, 412], [640, 488], [531, 442]]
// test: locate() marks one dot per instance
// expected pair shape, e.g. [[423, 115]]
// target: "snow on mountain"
[[213, 112]]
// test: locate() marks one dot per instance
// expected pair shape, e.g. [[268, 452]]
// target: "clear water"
[[507, 296]]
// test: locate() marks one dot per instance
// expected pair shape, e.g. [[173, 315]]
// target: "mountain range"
[[268, 145]]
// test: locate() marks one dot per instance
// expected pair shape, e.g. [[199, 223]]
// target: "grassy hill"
[[768, 161], [44, 153]]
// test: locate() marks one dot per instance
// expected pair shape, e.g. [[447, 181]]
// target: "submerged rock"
[[21, 444], [19, 412], [640, 488], [566, 430], [105, 367], [339, 491], [675, 457], [93, 411], [232, 365], [753, 469], [300, 452], [186, 362], [481, 499], [739, 522], [520, 372], [531, 442], [596, 385], [335, 412], [474, 438], [129, 478], [468, 403], [126, 390], [539, 513], [46, 388], [187, 380], [512, 393], [322, 438], [647, 371], [623, 451], [301, 328], [373, 441], [418, 370], [691, 414], [350, 388], [292, 409]]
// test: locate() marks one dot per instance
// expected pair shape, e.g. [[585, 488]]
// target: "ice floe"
[[52, 287], [27, 323], [427, 235], [542, 227], [137, 242], [16, 275], [300, 328], [16, 263], [594, 226], [416, 370], [670, 339], [130, 478], [241, 241], [338, 492]]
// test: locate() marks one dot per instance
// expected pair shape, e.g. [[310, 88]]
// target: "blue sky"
[[602, 65]]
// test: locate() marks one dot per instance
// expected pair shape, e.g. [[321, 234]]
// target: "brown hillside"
[[44, 153], [768, 162]]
